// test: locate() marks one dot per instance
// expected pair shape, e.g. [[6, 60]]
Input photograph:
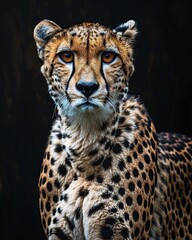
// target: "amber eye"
[[108, 57], [66, 56]]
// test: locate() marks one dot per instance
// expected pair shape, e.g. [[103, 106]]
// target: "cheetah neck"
[[87, 126], [86, 131], [87, 142]]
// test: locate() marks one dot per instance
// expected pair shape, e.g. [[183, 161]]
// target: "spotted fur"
[[106, 173]]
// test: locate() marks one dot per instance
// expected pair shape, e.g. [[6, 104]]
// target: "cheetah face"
[[87, 66]]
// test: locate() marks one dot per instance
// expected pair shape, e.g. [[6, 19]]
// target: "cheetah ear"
[[127, 29], [43, 32]]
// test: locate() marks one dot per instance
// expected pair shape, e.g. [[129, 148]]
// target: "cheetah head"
[[87, 66]]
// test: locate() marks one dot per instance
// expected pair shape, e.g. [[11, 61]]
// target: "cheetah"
[[106, 173]]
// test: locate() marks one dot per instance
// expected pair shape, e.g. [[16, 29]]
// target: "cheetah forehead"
[[88, 35], [47, 31], [86, 29]]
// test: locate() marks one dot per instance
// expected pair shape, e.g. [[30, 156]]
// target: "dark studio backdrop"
[[163, 79]]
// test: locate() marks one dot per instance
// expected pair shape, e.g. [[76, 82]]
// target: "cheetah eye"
[[108, 57], [66, 56]]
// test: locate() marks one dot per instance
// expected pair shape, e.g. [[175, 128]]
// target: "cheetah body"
[[106, 173]]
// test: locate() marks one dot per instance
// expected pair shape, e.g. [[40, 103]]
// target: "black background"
[[163, 79]]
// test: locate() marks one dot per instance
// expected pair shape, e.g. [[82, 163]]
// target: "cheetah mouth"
[[87, 106]]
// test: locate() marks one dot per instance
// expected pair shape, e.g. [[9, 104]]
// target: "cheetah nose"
[[87, 88]]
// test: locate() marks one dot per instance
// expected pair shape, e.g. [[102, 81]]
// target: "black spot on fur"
[[126, 143], [55, 220], [52, 161], [147, 158], [135, 155], [121, 120], [125, 233], [83, 192], [129, 201], [117, 148], [59, 135], [116, 132], [50, 173], [68, 161], [43, 180], [121, 191], [93, 152], [103, 140], [107, 163], [126, 216], [70, 223], [49, 186], [150, 174], [106, 232], [108, 145], [43, 193], [65, 197], [113, 210], [127, 175], [136, 232], [146, 187], [128, 128], [62, 170], [98, 161], [129, 159], [90, 177], [106, 194], [120, 205], [57, 183], [59, 210], [54, 212], [49, 221], [110, 187], [140, 149], [80, 169], [95, 208], [73, 152], [131, 186], [59, 233], [139, 199], [120, 219], [110, 221], [116, 178], [99, 179], [121, 165], [147, 225], [66, 186], [48, 206], [104, 126], [77, 213], [55, 198], [135, 172], [141, 166], [115, 197], [59, 148], [135, 215], [45, 169], [144, 176]]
